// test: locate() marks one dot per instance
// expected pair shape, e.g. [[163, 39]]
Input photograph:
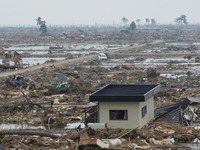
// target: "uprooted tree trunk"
[[151, 73], [40, 133]]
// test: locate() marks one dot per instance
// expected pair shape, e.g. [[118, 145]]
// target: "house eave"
[[117, 98], [152, 92], [123, 98]]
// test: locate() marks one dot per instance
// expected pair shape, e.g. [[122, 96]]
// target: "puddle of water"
[[33, 52], [31, 61], [39, 60], [69, 46], [166, 60], [41, 52], [96, 46], [178, 44], [15, 48], [196, 43]]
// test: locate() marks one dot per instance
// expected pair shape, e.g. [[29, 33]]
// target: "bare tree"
[[43, 27], [133, 25], [147, 20], [138, 21], [125, 21], [153, 22], [181, 20]]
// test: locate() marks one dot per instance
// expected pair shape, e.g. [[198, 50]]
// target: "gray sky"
[[75, 12]]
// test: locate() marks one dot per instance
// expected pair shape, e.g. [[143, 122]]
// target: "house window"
[[118, 114], [144, 111]]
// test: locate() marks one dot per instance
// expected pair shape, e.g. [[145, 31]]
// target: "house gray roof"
[[125, 93]]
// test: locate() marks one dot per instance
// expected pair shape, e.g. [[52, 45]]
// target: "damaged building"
[[180, 113], [125, 106]]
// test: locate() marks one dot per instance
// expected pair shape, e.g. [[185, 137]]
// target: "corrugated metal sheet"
[[172, 113], [161, 110], [174, 116]]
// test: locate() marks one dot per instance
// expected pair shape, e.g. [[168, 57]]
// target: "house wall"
[[133, 114], [150, 112]]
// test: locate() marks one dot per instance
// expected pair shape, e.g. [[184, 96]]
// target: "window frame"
[[143, 111], [113, 113]]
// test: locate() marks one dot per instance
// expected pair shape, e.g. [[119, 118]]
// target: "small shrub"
[[151, 73]]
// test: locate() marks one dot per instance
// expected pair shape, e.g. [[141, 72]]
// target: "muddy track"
[[76, 60]]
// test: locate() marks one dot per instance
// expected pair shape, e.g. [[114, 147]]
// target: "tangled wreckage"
[[183, 113], [7, 56]]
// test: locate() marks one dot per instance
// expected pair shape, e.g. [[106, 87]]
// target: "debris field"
[[43, 105]]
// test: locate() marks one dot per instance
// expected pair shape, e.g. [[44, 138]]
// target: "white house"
[[125, 106]]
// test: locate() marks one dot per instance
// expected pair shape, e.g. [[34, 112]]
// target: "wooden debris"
[[167, 141], [126, 133], [177, 128]]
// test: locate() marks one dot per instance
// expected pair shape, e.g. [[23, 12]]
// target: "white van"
[[102, 56]]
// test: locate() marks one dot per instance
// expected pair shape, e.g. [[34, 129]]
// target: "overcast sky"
[[87, 12]]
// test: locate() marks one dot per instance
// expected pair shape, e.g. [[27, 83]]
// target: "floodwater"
[[32, 61], [82, 48], [178, 44], [23, 47], [26, 48], [149, 62], [71, 49]]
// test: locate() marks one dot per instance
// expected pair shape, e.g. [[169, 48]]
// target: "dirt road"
[[75, 60]]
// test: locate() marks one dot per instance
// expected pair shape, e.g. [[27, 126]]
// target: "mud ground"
[[47, 97]]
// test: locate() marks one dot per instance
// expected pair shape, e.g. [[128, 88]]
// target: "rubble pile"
[[45, 108], [54, 94]]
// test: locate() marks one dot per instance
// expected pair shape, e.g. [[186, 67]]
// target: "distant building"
[[125, 106]]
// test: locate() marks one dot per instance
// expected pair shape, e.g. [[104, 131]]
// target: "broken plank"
[[126, 133]]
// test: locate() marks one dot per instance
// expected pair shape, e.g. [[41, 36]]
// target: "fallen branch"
[[126, 133], [40, 133]]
